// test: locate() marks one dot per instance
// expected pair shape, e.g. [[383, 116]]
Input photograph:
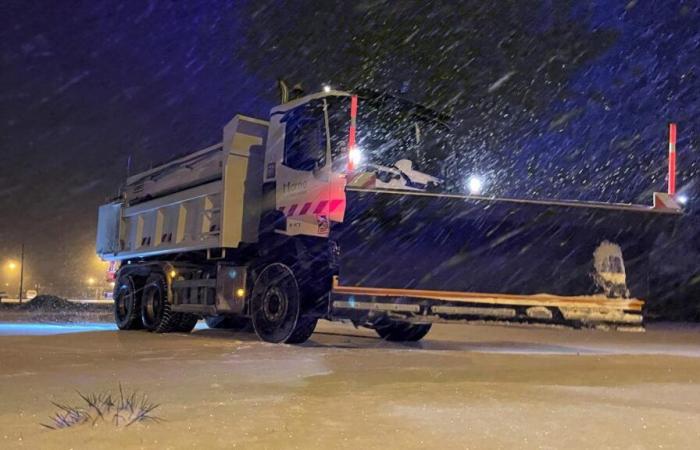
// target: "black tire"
[[127, 304], [277, 312], [156, 313], [229, 323], [186, 322], [402, 331], [303, 331]]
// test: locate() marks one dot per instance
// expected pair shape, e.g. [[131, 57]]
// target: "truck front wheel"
[[127, 304], [277, 311]]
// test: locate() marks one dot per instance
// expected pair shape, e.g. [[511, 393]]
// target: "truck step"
[[506, 313], [370, 306]]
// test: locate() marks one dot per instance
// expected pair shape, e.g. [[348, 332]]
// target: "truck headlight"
[[355, 156]]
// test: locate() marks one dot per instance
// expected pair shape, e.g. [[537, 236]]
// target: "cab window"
[[305, 137]]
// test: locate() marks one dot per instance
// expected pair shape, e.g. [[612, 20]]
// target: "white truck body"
[[274, 225], [208, 199]]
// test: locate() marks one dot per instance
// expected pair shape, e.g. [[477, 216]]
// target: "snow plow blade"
[[436, 257]]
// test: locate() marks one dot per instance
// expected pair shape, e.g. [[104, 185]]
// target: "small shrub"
[[123, 410]]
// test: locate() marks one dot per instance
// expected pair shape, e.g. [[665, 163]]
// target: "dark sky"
[[616, 117], [86, 84]]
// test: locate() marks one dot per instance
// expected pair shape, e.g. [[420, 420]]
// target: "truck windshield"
[[388, 130]]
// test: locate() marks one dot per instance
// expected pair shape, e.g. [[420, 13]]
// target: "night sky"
[[87, 85]]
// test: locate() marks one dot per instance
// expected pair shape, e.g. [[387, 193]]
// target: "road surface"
[[475, 386]]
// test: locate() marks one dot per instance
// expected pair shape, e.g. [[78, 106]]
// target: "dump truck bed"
[[209, 199]]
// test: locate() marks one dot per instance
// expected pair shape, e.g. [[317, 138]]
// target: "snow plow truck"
[[345, 206]]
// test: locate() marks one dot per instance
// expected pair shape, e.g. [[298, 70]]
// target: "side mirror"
[[319, 164]]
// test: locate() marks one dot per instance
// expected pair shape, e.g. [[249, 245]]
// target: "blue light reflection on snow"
[[47, 329]]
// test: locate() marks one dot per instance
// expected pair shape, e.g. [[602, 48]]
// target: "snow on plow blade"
[[447, 257]]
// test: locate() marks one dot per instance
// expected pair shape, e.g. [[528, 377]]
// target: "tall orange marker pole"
[[353, 132], [672, 159]]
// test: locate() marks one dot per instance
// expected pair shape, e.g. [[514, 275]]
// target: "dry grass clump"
[[122, 410]]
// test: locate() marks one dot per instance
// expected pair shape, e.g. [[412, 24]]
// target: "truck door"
[[304, 175]]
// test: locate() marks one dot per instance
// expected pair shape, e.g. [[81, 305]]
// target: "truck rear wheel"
[[156, 314], [127, 304], [186, 322], [403, 331], [276, 307]]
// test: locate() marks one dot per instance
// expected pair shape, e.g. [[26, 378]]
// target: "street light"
[[91, 282], [12, 266]]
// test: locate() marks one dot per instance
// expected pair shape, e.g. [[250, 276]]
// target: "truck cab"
[[315, 151]]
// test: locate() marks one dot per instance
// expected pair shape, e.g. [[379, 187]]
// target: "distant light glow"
[[173, 274], [12, 265], [240, 292], [682, 199], [90, 281], [475, 185], [326, 88]]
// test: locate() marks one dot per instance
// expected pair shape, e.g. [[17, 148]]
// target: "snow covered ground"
[[473, 386], [74, 300]]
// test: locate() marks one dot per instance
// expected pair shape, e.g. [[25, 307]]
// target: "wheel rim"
[[124, 301], [275, 305]]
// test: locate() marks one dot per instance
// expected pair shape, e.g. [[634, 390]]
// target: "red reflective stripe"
[[319, 209], [305, 208], [292, 209], [334, 204]]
